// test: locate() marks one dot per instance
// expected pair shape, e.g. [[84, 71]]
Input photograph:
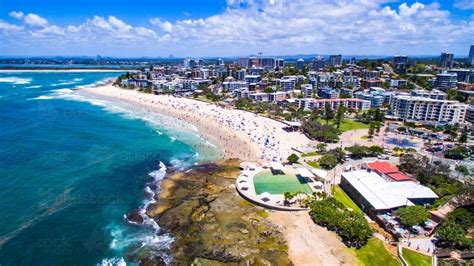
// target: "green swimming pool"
[[279, 184]]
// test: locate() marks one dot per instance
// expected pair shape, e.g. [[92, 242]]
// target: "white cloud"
[[165, 26], [464, 4], [271, 27], [9, 27], [16, 14], [35, 20]]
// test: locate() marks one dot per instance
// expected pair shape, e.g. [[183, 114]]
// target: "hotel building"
[[428, 110], [350, 103]]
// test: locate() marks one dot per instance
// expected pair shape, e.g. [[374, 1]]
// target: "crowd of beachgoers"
[[239, 134]]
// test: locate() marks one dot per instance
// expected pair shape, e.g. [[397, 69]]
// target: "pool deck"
[[246, 188]]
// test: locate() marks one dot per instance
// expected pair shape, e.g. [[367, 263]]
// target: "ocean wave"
[[33, 87], [42, 97], [160, 243], [113, 262], [15, 80]]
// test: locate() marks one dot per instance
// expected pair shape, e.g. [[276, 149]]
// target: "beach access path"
[[238, 134]]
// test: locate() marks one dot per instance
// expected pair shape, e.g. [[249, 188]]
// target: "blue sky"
[[234, 27]]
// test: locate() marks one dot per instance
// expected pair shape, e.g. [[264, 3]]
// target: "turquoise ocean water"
[[72, 166]]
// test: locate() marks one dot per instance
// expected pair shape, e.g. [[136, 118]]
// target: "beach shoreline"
[[237, 133]]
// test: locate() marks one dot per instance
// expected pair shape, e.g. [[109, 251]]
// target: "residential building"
[[328, 93], [446, 60], [433, 94], [311, 103], [300, 64], [277, 96], [267, 62], [234, 85], [377, 96], [287, 84], [243, 62], [220, 62], [470, 59], [318, 63], [400, 63], [240, 74], [370, 74], [445, 81], [396, 83], [352, 81], [259, 96], [470, 113], [463, 74], [347, 91], [241, 93], [252, 79], [279, 63], [429, 111], [335, 60], [307, 90]]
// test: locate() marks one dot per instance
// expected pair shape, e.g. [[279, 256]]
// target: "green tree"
[[341, 110], [464, 135], [293, 158], [452, 233], [328, 113], [321, 147], [413, 215], [328, 161]]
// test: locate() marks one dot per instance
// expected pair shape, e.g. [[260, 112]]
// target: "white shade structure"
[[304, 172], [276, 166], [321, 174]]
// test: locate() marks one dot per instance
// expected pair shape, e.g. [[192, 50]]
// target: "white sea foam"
[[33, 87], [63, 83], [161, 243], [15, 80], [113, 262], [42, 97]]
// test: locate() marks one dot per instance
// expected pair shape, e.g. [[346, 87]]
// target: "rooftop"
[[383, 195]]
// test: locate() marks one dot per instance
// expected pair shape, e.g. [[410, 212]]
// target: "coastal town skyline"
[[235, 28]]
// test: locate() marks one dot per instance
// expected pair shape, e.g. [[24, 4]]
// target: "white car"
[[383, 157]]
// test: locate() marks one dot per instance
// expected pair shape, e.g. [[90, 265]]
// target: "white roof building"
[[382, 194]]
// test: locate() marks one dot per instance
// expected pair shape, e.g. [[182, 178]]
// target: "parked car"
[[383, 157]]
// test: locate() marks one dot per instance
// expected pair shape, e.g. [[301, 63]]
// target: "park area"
[[414, 258], [375, 253], [346, 124], [341, 196], [279, 184]]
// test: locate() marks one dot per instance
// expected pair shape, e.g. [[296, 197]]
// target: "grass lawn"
[[346, 124], [279, 184], [314, 164], [313, 153], [341, 196], [375, 253], [414, 258]]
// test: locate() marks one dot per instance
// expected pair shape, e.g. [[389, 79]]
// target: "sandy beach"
[[239, 134], [309, 243]]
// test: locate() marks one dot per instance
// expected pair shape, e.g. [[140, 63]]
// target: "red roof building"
[[385, 169]]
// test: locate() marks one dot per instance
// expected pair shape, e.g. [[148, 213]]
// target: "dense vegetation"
[[456, 232], [331, 158], [413, 215], [351, 226], [434, 176], [359, 152]]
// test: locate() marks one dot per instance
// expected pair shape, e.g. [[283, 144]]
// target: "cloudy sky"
[[235, 27]]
